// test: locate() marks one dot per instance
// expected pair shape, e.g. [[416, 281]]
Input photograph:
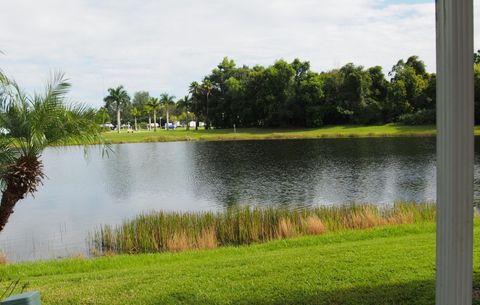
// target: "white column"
[[454, 152]]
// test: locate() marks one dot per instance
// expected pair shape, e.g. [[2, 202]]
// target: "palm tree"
[[34, 123], [135, 113], [154, 104], [167, 102], [148, 110], [207, 88], [195, 90], [102, 115], [117, 98], [186, 103]]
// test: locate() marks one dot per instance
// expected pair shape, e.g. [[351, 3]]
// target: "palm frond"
[[44, 119], [7, 152], [78, 127], [57, 87], [117, 98]]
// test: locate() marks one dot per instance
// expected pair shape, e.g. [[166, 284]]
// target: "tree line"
[[293, 95]]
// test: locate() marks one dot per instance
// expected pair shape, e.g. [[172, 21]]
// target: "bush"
[[314, 116], [421, 117], [370, 112], [142, 125]]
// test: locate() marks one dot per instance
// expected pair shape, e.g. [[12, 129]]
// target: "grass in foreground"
[[172, 231], [389, 130], [389, 265]]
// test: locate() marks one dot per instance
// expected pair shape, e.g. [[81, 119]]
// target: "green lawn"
[[393, 265], [390, 130]]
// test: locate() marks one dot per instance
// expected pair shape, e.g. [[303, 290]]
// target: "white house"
[[192, 124], [107, 125]]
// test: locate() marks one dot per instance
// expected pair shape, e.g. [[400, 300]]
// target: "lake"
[[81, 192]]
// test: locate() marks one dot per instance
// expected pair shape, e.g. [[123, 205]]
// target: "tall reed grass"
[[172, 231]]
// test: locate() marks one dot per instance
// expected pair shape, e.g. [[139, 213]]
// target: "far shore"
[[345, 131]]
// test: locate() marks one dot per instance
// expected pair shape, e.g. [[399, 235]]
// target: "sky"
[[164, 45]]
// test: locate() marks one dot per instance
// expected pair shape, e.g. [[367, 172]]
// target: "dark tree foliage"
[[476, 57], [292, 95], [477, 93]]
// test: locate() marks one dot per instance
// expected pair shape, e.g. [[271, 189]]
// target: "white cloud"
[[164, 45]]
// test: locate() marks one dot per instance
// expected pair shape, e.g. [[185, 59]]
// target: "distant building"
[[107, 126], [192, 124]]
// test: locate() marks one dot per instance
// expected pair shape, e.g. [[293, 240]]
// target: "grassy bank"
[[171, 231], [389, 130], [389, 265]]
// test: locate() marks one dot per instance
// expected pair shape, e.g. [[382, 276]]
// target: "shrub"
[[421, 117]]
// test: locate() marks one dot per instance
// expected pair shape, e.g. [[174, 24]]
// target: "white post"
[[455, 152]]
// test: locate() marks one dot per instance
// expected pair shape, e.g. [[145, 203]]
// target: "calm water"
[[82, 193]]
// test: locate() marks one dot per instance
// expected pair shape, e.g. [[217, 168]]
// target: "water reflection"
[[80, 195], [307, 172]]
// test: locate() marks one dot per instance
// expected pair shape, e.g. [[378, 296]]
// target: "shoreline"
[[251, 134]]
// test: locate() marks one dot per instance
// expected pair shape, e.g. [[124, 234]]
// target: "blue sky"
[[161, 46]]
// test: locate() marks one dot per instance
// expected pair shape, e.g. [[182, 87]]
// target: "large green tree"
[[411, 92], [140, 99]]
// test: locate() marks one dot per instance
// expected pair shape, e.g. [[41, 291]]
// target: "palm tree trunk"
[[188, 122], [118, 120], [21, 178], [168, 123], [149, 122], [136, 129], [207, 123], [196, 114], [154, 120], [9, 199]]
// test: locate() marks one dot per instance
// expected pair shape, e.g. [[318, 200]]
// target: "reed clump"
[[207, 239], [286, 228], [3, 258], [178, 242], [315, 226], [174, 231]]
